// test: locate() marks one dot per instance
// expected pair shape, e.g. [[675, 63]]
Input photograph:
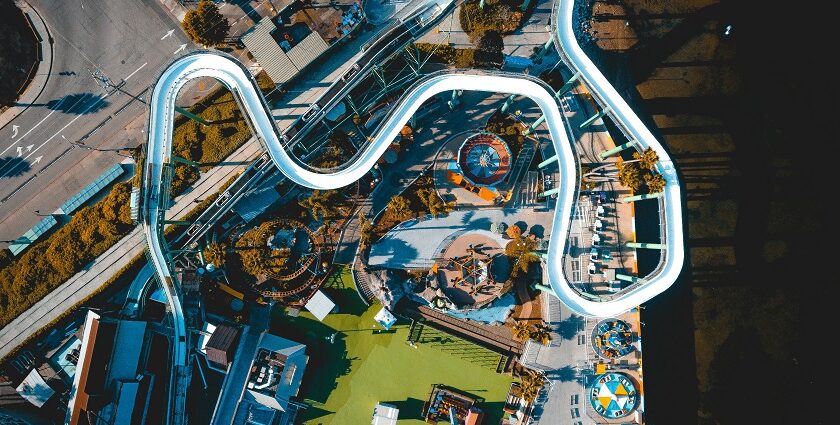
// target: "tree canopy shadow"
[[13, 166], [570, 327], [78, 104]]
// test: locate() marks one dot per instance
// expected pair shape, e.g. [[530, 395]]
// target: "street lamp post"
[[38, 213], [115, 150]]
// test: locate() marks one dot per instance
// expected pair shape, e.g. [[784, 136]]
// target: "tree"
[[521, 331], [320, 204], [216, 254], [541, 333], [514, 232], [432, 201], [647, 159], [629, 174], [365, 230], [655, 182], [530, 385], [489, 47], [521, 250], [205, 24], [398, 206]]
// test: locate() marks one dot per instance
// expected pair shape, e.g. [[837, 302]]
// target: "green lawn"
[[344, 380]]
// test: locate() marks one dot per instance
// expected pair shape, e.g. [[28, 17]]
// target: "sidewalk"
[[175, 8], [86, 282], [39, 81]]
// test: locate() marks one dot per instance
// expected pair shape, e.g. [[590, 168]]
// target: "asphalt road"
[[128, 42]]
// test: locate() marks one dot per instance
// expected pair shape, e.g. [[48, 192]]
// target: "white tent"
[[385, 318], [34, 389], [320, 305]]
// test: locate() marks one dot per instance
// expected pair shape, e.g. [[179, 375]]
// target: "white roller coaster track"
[[231, 74], [626, 119]]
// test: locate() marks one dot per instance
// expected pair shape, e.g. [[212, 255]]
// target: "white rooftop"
[[385, 414], [34, 389], [320, 305]]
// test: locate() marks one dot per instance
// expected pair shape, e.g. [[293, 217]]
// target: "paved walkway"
[[36, 86], [560, 361], [88, 281], [417, 244]]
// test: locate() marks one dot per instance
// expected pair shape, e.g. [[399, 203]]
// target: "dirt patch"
[[18, 53]]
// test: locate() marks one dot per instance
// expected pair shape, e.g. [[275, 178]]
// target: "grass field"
[[345, 379]]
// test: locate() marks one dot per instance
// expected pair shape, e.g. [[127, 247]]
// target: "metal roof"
[[92, 189], [34, 389], [279, 65], [307, 50], [267, 52], [320, 305], [32, 235]]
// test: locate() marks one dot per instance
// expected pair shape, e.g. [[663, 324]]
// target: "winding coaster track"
[[232, 74]]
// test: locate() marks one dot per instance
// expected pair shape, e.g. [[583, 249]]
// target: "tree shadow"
[[78, 104], [538, 230], [344, 295], [13, 166], [570, 327], [564, 374]]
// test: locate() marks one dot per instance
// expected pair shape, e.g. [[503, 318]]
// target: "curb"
[[13, 112]]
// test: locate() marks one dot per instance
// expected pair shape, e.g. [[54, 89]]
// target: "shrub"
[[508, 129], [497, 15], [446, 54], [489, 48], [210, 144]]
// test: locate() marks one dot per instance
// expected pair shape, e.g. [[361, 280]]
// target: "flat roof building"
[[109, 385], [287, 43], [258, 389]]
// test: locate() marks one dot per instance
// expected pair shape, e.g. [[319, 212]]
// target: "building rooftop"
[[265, 375], [287, 43], [109, 357], [222, 344], [34, 389]]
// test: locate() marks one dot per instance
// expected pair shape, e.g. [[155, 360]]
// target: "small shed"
[[222, 345], [385, 318], [34, 389], [385, 414], [320, 305]]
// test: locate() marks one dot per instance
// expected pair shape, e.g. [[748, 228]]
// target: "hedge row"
[[446, 54], [503, 16], [50, 262]]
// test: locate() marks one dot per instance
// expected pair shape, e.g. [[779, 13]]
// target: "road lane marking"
[[91, 106], [135, 71], [168, 34], [180, 49], [15, 130], [30, 130]]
